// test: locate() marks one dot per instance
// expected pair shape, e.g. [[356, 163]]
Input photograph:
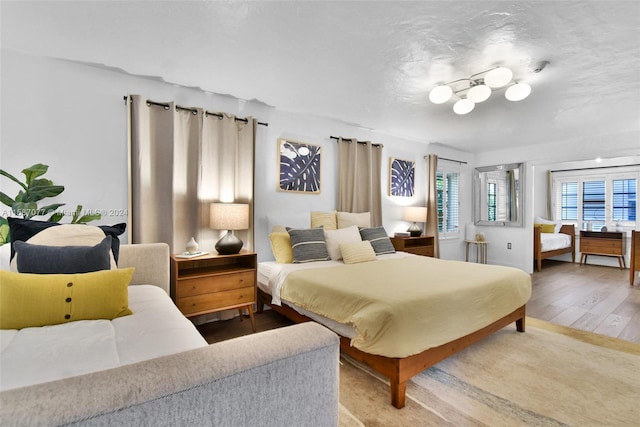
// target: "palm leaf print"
[[299, 167], [402, 178]]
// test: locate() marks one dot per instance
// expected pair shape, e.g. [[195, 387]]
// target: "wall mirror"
[[497, 195]]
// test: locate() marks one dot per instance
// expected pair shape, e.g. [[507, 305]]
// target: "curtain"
[[550, 213], [431, 226], [359, 178], [181, 160], [512, 196]]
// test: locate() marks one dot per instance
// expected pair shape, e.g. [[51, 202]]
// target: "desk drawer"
[[423, 250]]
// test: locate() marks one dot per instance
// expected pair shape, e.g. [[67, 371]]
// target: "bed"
[[551, 244], [400, 313]]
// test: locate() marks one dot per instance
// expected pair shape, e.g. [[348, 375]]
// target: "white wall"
[[72, 117], [614, 148]]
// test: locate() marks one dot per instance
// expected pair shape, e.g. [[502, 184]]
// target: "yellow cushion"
[[326, 220], [546, 228], [281, 246], [355, 252], [28, 300]]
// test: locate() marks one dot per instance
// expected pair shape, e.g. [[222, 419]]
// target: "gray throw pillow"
[[42, 259], [308, 245], [379, 240]]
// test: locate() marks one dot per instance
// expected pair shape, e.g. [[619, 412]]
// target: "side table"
[[481, 250]]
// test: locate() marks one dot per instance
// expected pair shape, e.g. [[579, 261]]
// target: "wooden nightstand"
[[211, 283], [422, 245], [607, 243]]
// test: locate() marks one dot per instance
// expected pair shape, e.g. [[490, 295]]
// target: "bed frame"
[[538, 255], [400, 370]]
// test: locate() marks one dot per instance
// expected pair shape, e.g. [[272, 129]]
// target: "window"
[[447, 193], [491, 201], [601, 196]]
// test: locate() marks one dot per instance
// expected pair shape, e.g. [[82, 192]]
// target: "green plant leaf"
[[26, 210], [40, 193], [43, 210], [6, 200], [4, 234], [56, 217], [87, 218], [34, 171], [12, 178]]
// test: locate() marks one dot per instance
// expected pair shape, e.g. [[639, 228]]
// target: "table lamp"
[[229, 216], [415, 214]]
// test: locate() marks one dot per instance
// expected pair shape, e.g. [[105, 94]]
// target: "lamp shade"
[[440, 94], [463, 106], [498, 77], [517, 92], [415, 214], [479, 93], [229, 216]]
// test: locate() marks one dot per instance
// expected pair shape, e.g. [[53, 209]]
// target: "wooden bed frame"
[[400, 370], [538, 255]]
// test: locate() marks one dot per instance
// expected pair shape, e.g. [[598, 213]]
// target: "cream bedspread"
[[401, 307]]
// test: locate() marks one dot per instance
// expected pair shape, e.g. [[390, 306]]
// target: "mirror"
[[497, 194]]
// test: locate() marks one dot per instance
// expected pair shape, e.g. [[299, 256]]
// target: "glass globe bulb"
[[463, 106], [498, 77], [440, 94], [479, 93], [517, 92]]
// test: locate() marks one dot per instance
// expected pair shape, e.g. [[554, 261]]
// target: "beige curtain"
[[181, 161], [359, 178], [431, 227], [550, 213]]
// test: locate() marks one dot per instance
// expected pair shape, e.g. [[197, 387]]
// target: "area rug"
[[548, 376]]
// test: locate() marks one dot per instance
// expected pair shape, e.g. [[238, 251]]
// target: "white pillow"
[[347, 219], [540, 220], [335, 238]]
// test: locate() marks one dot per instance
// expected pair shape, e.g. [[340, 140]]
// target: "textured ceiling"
[[371, 64]]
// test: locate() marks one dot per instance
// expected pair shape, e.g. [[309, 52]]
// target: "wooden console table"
[[603, 243]]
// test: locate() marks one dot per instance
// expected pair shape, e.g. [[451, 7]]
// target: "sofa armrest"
[[282, 377], [151, 261]]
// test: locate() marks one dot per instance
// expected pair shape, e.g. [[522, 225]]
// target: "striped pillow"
[[355, 252], [308, 245], [379, 240]]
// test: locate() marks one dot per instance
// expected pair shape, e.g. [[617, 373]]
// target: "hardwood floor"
[[588, 297]]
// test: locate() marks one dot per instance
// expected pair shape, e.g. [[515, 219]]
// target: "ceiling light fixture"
[[478, 88]]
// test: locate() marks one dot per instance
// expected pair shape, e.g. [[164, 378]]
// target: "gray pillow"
[[42, 259], [308, 245], [379, 240]]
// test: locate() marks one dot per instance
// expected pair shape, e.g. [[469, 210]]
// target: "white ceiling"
[[367, 63]]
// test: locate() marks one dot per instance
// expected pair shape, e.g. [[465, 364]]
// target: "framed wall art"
[[299, 166], [401, 177]]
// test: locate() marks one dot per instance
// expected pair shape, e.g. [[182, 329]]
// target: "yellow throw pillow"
[[355, 252], [546, 228], [326, 220], [29, 300], [281, 246]]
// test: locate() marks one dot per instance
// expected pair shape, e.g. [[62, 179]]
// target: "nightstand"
[[212, 283], [422, 245]]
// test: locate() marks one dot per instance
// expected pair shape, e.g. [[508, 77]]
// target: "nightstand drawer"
[[216, 300], [424, 250], [206, 284]]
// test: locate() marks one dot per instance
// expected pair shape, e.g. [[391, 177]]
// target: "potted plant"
[[34, 189]]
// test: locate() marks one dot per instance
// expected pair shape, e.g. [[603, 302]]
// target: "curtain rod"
[[337, 138], [596, 167], [194, 111], [450, 160]]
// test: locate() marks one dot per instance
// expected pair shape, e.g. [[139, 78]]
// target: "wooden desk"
[[603, 243]]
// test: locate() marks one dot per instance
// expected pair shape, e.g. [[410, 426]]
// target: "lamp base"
[[414, 230], [229, 244]]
